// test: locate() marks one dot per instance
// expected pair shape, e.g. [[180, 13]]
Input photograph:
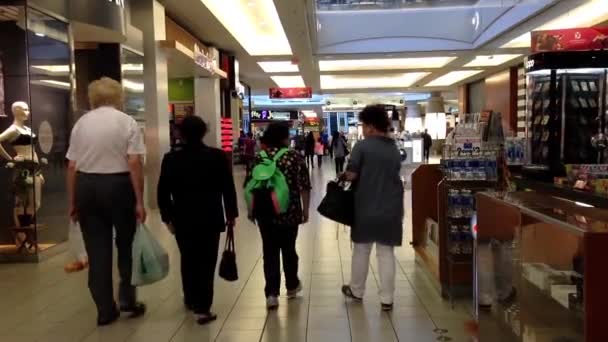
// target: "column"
[[207, 105], [149, 17]]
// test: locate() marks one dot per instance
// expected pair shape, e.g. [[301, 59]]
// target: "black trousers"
[[427, 153], [277, 240], [199, 249], [105, 202], [310, 160], [319, 160], [340, 164]]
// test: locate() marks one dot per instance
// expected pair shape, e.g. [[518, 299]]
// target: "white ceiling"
[[299, 23]]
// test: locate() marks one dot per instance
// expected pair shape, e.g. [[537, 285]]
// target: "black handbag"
[[338, 204], [228, 268]]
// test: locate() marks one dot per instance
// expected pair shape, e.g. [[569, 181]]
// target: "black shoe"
[[103, 321], [206, 318], [136, 310], [387, 307], [348, 292]]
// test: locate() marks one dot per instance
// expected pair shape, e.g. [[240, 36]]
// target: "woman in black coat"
[[197, 200]]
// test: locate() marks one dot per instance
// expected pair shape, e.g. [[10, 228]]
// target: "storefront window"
[[37, 75]]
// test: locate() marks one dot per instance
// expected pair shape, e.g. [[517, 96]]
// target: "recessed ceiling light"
[[288, 81], [282, 66], [452, 77], [588, 14], [258, 29], [134, 86], [40, 34], [384, 63], [365, 81], [491, 60]]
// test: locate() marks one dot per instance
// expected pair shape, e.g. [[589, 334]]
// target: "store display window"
[[36, 94]]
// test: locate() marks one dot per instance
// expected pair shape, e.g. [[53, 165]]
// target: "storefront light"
[[133, 86], [53, 83]]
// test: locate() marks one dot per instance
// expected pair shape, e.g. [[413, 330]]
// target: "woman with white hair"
[[105, 191]]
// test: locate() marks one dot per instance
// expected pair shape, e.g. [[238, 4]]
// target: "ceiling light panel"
[[255, 24], [364, 81], [288, 81], [452, 77], [284, 66], [385, 63], [491, 60], [588, 14]]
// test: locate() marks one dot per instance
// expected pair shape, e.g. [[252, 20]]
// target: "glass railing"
[[346, 5]]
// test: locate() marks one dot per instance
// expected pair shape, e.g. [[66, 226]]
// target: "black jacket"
[[196, 188]]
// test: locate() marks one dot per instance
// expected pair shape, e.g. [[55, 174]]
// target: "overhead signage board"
[[577, 39], [290, 93]]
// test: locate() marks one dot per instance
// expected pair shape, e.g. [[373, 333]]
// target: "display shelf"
[[560, 292]]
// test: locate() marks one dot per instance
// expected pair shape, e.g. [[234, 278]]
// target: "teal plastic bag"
[[150, 260]]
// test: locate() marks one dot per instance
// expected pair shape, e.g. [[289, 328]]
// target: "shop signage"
[[227, 137], [273, 115], [577, 39], [202, 59], [290, 93]]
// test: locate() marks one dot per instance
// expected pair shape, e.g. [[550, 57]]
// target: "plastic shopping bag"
[[150, 260], [78, 259]]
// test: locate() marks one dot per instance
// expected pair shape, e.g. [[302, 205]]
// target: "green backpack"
[[267, 193]]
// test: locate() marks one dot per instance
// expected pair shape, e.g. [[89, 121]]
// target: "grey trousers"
[[105, 202]]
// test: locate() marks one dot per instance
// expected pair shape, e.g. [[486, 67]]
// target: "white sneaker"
[[291, 294], [272, 303]]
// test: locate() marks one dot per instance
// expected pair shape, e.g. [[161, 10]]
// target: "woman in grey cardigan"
[[374, 167]]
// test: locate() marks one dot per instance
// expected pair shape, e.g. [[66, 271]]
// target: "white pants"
[[386, 269]]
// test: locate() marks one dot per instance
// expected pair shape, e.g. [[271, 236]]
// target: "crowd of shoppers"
[[105, 183]]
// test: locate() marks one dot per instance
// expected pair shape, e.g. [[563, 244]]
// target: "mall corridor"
[[42, 303]]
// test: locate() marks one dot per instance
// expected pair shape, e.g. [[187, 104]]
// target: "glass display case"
[[36, 58], [539, 269], [566, 108]]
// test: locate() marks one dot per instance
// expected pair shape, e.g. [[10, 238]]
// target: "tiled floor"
[[41, 303]]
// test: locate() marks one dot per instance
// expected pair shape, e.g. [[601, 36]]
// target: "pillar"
[[207, 105], [149, 17]]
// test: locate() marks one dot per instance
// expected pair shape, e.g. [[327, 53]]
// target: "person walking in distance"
[[105, 191], [427, 142], [309, 149], [339, 148], [196, 210], [280, 231], [319, 151], [375, 165]]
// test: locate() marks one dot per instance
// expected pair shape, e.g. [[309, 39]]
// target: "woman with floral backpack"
[[278, 197]]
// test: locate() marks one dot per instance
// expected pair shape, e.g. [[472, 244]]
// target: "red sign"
[[578, 39], [226, 129], [290, 93]]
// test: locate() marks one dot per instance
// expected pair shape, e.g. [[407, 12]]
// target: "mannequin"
[[29, 193]]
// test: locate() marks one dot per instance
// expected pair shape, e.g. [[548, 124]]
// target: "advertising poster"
[[577, 39], [290, 93]]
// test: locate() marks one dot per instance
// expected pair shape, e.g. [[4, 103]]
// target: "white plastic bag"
[[150, 260], [77, 253]]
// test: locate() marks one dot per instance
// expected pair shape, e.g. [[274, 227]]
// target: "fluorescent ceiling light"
[[133, 86], [384, 63], [452, 77], [289, 81], [255, 24], [366, 81], [283, 66], [53, 83], [588, 14], [491, 60], [64, 69]]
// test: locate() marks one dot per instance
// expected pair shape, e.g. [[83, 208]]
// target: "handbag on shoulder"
[[228, 269], [338, 204]]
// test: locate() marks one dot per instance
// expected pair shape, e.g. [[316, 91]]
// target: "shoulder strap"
[[280, 154]]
